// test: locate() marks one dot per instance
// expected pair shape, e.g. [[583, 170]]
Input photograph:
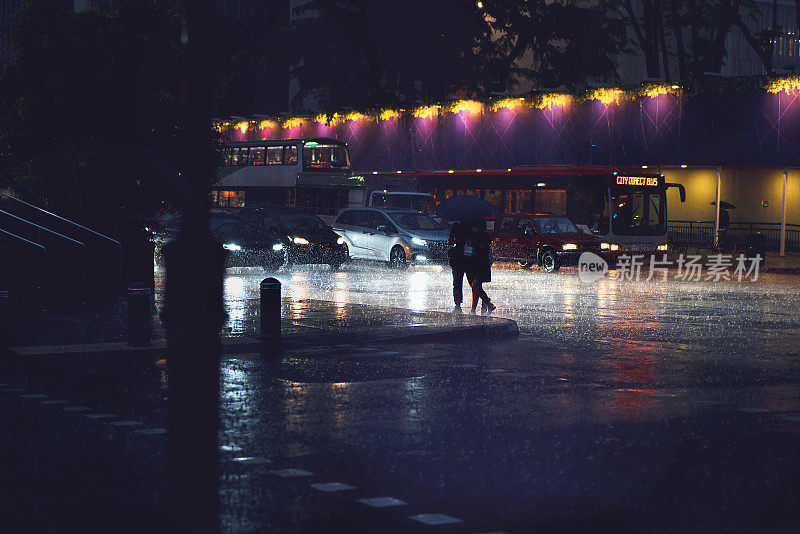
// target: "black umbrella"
[[464, 208], [724, 205]]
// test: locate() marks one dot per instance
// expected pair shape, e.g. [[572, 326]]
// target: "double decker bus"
[[312, 173], [625, 206]]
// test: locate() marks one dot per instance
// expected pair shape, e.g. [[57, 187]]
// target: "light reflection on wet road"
[[732, 317], [644, 397]]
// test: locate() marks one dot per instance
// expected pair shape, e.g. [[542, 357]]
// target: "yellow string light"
[[471, 106], [655, 90], [511, 104], [425, 112], [551, 100], [242, 126], [788, 84], [263, 125], [607, 96], [295, 122], [355, 116], [389, 114]]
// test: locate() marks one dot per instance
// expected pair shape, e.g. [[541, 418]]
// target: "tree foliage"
[[559, 43], [369, 53], [86, 97], [691, 34]]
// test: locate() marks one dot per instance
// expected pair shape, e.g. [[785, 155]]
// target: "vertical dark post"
[[271, 311], [5, 317], [140, 315], [194, 264]]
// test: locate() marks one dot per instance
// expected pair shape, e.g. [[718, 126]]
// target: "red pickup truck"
[[549, 241]]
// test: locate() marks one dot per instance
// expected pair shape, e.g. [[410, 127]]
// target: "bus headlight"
[[662, 248], [277, 246], [604, 246], [340, 241], [569, 246], [614, 248], [300, 241], [232, 247], [418, 241]]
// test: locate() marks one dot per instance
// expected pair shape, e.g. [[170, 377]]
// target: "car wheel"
[[550, 261], [397, 258], [525, 264]]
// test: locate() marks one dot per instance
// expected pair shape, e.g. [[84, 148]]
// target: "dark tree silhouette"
[[370, 53], [87, 96]]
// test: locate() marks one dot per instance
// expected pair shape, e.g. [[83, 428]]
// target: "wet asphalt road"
[[623, 406]]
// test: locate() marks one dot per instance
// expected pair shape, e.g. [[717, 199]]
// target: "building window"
[[227, 199]]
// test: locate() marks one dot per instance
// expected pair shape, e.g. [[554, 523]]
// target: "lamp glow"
[[300, 241], [232, 247], [569, 246]]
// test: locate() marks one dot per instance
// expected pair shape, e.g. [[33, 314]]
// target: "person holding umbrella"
[[478, 259], [455, 255], [470, 247]]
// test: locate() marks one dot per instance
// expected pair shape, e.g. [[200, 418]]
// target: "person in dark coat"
[[478, 257], [455, 254]]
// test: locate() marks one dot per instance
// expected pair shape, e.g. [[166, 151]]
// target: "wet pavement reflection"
[[622, 406]]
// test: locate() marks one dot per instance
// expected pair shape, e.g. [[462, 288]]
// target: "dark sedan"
[[307, 238], [245, 246]]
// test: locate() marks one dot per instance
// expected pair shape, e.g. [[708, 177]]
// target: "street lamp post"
[[194, 312]]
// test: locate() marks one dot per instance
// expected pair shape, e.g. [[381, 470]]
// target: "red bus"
[[625, 206]]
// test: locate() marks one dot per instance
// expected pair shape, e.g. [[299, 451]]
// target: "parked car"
[[399, 237], [306, 237], [245, 245], [549, 241]]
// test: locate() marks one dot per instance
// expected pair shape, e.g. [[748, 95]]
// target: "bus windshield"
[[555, 225], [325, 157], [639, 213]]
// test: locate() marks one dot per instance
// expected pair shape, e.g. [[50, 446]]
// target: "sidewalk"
[[304, 324]]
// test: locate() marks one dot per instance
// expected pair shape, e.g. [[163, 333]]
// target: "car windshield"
[[294, 222], [414, 221], [236, 231], [554, 225]]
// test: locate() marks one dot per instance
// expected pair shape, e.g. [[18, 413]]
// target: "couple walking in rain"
[[470, 257], [470, 251]]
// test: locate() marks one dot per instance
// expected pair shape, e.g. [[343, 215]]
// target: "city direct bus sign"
[[647, 181]]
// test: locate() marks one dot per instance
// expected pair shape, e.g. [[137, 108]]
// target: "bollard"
[[5, 318], [140, 326], [270, 310]]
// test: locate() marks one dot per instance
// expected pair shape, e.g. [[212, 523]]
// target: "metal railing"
[[101, 252], [700, 234]]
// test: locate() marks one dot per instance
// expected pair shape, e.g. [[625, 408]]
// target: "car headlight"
[[418, 241], [604, 246], [662, 248], [569, 246], [340, 241], [614, 247], [300, 241], [277, 246], [231, 246]]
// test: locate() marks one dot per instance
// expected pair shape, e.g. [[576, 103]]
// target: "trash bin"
[[270, 309], [140, 327], [756, 244]]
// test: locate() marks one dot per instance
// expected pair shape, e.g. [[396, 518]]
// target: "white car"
[[399, 237]]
